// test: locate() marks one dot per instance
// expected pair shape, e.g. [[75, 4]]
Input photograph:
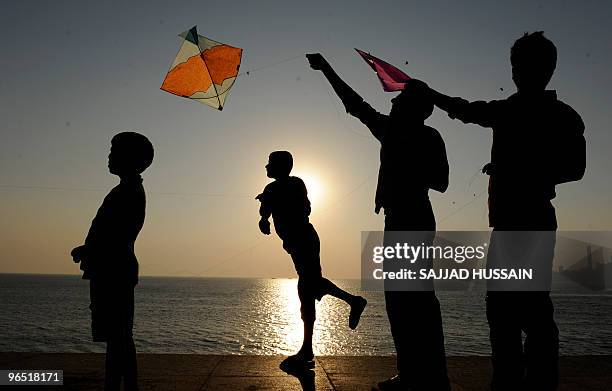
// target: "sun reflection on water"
[[282, 309], [291, 332]]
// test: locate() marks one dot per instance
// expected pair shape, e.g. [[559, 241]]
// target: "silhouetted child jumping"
[[538, 143], [107, 258], [286, 200]]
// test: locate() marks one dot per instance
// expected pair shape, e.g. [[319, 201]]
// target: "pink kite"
[[391, 78]]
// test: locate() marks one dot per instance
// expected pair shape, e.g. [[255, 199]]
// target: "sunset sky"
[[75, 73]]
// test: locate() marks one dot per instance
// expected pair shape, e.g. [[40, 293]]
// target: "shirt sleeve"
[[375, 121], [304, 196], [439, 165], [570, 147], [118, 220], [485, 114]]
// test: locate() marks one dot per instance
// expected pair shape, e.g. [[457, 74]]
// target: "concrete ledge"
[[84, 371]]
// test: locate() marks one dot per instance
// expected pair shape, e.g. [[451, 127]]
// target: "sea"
[[50, 313]]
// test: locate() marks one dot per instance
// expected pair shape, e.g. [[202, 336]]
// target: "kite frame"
[[220, 108]]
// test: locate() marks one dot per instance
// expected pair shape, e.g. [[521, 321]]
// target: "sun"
[[314, 185]]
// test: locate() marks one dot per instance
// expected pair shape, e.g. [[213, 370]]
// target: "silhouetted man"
[[107, 258], [412, 161], [286, 201], [538, 143]]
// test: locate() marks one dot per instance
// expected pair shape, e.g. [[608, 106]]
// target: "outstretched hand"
[[78, 253], [416, 84], [488, 169], [317, 61], [264, 227]]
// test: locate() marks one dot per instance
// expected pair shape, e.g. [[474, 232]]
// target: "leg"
[[414, 310], [112, 373], [307, 262], [427, 337], [506, 341], [542, 334], [130, 366], [131, 371], [416, 327], [120, 364], [541, 343], [357, 303], [307, 308], [393, 300], [121, 351], [306, 349], [329, 288]]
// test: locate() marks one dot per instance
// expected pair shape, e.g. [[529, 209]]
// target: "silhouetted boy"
[[107, 258], [286, 200], [538, 143], [412, 161]]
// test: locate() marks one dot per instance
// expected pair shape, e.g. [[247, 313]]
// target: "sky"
[[77, 72]]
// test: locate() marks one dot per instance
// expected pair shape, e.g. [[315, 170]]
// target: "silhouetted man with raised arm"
[[286, 201], [412, 161], [538, 143], [107, 258]]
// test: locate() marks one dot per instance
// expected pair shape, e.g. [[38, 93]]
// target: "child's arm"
[[265, 212], [479, 112], [79, 253], [439, 169], [353, 103], [112, 233], [569, 148]]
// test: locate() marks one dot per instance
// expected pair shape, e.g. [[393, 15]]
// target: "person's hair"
[[421, 100], [135, 149], [283, 160], [536, 53]]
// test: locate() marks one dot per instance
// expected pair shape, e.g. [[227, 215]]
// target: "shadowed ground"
[[251, 373]]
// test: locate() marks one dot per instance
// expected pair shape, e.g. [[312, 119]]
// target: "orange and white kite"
[[203, 70]]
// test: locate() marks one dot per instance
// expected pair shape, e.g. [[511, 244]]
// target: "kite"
[[203, 70], [391, 78]]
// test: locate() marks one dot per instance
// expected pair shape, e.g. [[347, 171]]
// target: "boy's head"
[[279, 164], [131, 153], [413, 104], [533, 58]]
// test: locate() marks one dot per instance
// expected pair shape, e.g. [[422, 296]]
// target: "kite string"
[[236, 256], [459, 209], [100, 189], [248, 72], [346, 125]]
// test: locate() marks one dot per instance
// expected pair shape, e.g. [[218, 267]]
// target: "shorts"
[[112, 310], [304, 247]]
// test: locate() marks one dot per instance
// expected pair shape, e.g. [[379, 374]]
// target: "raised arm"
[[353, 103], [479, 112], [348, 96]]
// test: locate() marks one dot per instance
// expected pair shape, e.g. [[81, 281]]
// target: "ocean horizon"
[[260, 316]]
